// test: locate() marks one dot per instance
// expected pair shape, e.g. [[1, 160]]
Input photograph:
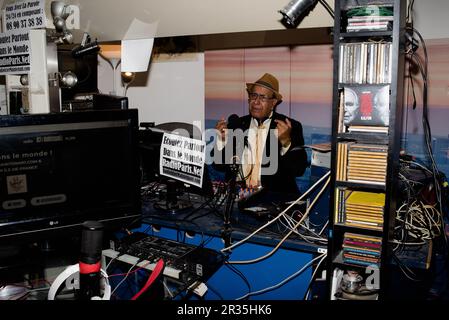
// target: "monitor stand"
[[172, 204]]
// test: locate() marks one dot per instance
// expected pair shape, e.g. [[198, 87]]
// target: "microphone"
[[234, 121], [239, 142], [89, 262]]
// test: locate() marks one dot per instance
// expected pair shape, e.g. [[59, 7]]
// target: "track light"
[[295, 10]]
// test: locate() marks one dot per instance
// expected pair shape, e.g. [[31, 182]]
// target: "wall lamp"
[[127, 78], [296, 10]]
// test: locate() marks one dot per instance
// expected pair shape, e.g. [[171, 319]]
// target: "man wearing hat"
[[273, 153]]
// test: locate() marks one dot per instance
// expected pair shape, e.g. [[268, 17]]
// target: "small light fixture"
[[127, 78], [296, 10]]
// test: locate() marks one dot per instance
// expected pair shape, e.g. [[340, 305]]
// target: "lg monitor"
[[59, 170]]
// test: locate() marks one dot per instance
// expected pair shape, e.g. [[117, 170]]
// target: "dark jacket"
[[292, 164]]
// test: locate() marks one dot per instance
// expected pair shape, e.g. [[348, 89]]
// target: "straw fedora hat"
[[267, 81]]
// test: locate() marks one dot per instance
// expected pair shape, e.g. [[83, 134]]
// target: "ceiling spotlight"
[[295, 10]]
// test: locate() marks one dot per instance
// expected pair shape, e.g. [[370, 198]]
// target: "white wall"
[[172, 90], [431, 18], [182, 17], [109, 19]]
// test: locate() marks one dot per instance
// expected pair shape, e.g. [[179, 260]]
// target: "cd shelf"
[[366, 133]]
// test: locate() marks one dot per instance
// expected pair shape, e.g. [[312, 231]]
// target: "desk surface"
[[208, 220]]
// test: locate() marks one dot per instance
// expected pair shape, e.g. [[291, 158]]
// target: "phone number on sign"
[[24, 23]]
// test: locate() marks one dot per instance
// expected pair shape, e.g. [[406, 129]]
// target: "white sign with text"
[[14, 52], [182, 158], [24, 15], [15, 47]]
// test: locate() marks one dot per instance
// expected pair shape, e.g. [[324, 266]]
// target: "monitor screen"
[[59, 170]]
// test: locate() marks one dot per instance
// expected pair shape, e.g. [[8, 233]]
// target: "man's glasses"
[[262, 98]]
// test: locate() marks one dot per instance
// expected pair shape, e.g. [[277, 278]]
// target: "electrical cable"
[[280, 284], [124, 278], [215, 292], [405, 270], [409, 16], [328, 8], [291, 223], [324, 227], [277, 217], [158, 269], [167, 289], [312, 278], [307, 238], [240, 274], [287, 235], [425, 121]]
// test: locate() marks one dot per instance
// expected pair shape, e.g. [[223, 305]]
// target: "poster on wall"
[[15, 48], [182, 158]]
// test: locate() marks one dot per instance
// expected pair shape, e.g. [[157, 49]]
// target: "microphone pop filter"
[[234, 121]]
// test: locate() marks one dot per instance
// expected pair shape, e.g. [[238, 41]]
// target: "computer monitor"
[[59, 170]]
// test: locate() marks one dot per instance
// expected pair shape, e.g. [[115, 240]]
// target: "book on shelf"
[[369, 18], [340, 198], [366, 105], [366, 199], [359, 208], [370, 11], [367, 163], [362, 163], [340, 127], [341, 160], [361, 249], [365, 62], [355, 8], [369, 26], [364, 224], [374, 129], [357, 217]]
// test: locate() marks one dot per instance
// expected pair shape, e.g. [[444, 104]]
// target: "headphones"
[[70, 276]]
